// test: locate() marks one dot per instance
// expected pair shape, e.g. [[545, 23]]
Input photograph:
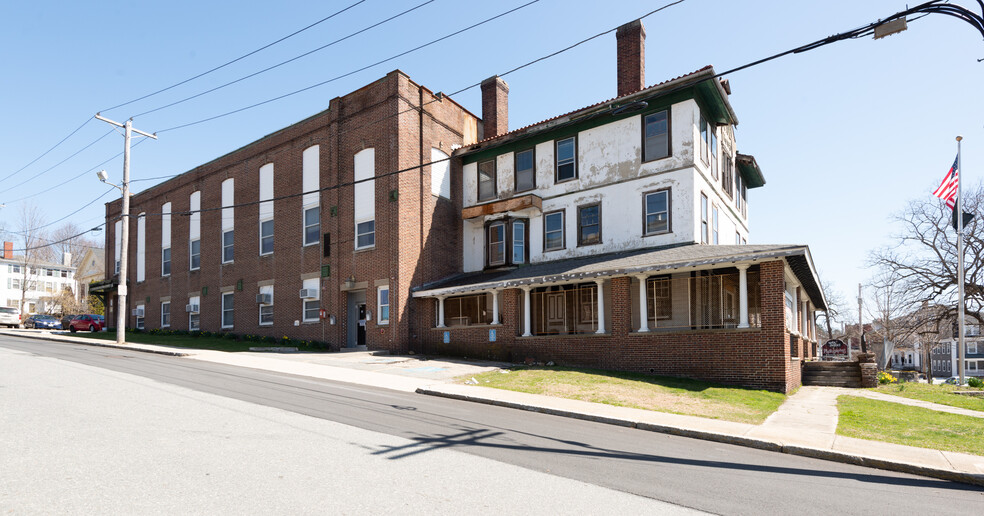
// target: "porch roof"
[[651, 260]]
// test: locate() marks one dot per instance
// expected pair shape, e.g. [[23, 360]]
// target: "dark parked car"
[[66, 319], [86, 322], [40, 321]]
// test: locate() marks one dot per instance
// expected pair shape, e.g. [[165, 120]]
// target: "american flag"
[[948, 188]]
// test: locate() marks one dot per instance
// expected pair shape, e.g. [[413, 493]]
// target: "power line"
[[49, 169], [90, 203], [377, 63], [295, 58], [45, 153], [240, 58]]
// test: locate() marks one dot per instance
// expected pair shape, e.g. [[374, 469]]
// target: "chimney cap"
[[631, 26], [498, 81]]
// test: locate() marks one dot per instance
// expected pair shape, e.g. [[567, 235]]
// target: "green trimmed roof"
[[749, 170]]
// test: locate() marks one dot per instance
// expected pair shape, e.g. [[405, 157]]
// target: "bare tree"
[[69, 238], [922, 266], [836, 309], [35, 250]]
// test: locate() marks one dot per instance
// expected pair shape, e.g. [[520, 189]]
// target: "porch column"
[[601, 305], [526, 312], [495, 307], [440, 311], [643, 308], [743, 295]]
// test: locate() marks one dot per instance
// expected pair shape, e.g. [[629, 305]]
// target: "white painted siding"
[[311, 176], [365, 192], [141, 246]]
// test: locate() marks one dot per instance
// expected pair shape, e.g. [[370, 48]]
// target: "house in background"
[[944, 356], [34, 286], [614, 236], [92, 268]]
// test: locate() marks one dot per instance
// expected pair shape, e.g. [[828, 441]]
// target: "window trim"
[[272, 233], [231, 309], [669, 135], [140, 321], [502, 243], [231, 246], [669, 211], [259, 312], [704, 222], [168, 303], [373, 233], [563, 230], [168, 262], [478, 182], [512, 240], [191, 254], [714, 224], [379, 305], [516, 154], [305, 226], [557, 159], [705, 143], [304, 310], [580, 243]]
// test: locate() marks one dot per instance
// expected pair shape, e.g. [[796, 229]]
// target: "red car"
[[86, 323]]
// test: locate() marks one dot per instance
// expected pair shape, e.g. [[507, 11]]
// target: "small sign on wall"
[[447, 337], [492, 335]]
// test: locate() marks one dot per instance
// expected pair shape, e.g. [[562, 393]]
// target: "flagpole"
[[958, 209]]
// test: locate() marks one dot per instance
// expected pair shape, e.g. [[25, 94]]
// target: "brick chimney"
[[631, 57], [495, 107], [8, 250]]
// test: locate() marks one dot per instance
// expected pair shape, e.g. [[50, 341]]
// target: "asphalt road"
[[690, 473]]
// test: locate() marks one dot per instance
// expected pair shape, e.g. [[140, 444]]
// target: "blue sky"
[[845, 134]]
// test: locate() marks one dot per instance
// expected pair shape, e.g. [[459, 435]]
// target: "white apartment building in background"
[[44, 281]]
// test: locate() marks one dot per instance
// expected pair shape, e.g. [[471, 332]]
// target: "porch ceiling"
[[652, 260]]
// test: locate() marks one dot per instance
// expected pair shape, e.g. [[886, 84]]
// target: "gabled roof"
[[651, 260], [708, 89]]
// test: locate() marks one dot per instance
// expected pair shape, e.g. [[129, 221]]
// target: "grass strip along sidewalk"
[[942, 394], [200, 340], [664, 394], [912, 426]]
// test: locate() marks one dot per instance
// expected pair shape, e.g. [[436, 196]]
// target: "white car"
[[10, 317]]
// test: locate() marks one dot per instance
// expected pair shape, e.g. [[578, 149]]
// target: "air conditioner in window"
[[191, 309], [309, 293], [138, 312], [264, 299]]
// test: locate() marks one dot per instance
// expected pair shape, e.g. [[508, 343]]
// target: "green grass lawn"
[[942, 394], [178, 341], [664, 394], [912, 426]]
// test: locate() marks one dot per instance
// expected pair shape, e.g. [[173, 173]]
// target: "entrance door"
[[556, 313], [361, 335], [356, 319]]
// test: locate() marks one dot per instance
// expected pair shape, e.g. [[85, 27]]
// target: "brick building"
[[612, 236]]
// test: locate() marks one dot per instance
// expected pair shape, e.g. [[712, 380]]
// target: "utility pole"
[[125, 233]]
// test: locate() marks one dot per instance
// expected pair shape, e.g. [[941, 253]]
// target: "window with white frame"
[[228, 219], [383, 305], [518, 242], [497, 244], [227, 310], [714, 224], [195, 231], [312, 225], [227, 246], [193, 314], [713, 151], [312, 306], [486, 180], [195, 251], [365, 234], [566, 159], [704, 139], [657, 216], [140, 317], [166, 314], [972, 348], [166, 261], [266, 308], [553, 231], [365, 198], [703, 219], [266, 237], [656, 135], [266, 209], [166, 239]]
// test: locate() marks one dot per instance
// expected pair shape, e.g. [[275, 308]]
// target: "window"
[[227, 241], [657, 213], [518, 242], [312, 225], [166, 261], [468, 310], [140, 317], [553, 231], [714, 224], [312, 307], [727, 173], [365, 234], [589, 225], [566, 159], [486, 180], [497, 244], [714, 153], [703, 219], [266, 237], [266, 309], [737, 238], [564, 309], [166, 314], [656, 136], [525, 171], [195, 249], [227, 310], [972, 348], [659, 298], [704, 141], [383, 308], [743, 195]]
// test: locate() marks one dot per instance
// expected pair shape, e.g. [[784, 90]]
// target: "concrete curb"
[[98, 343], [750, 442]]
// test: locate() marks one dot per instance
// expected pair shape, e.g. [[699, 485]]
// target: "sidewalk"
[[804, 425]]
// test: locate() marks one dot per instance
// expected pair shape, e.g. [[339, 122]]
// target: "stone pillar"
[[743, 296], [643, 305], [526, 312], [495, 307], [440, 311], [601, 305]]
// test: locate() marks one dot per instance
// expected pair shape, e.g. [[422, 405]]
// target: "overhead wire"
[[45, 153]]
